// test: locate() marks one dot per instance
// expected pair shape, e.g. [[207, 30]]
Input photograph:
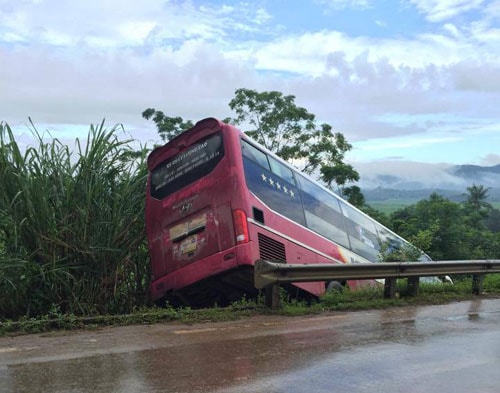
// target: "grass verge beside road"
[[369, 298]]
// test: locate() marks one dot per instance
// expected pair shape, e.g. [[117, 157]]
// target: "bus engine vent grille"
[[271, 249]]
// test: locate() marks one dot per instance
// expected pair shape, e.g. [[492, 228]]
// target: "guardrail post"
[[413, 286], [272, 296], [477, 284], [390, 288]]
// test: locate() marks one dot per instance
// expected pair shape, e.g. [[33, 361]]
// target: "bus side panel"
[[271, 246]]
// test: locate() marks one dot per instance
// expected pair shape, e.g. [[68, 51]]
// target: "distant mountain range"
[[413, 182], [473, 172]]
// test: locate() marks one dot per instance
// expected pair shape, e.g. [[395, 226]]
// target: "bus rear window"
[[189, 165]]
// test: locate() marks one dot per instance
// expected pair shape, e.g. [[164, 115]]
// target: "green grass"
[[391, 205], [364, 299], [72, 231]]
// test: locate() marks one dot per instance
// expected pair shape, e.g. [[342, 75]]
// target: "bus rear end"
[[197, 235]]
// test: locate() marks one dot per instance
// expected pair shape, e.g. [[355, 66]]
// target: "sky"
[[414, 85]]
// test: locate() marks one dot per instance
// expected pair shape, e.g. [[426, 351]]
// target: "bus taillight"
[[240, 226]]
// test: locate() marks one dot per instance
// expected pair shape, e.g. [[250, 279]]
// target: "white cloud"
[[405, 175], [136, 32], [440, 10], [76, 63], [491, 159], [409, 143], [339, 4]]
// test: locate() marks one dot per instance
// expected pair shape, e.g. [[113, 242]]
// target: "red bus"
[[217, 202]]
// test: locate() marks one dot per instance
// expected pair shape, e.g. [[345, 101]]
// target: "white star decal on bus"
[[278, 185]]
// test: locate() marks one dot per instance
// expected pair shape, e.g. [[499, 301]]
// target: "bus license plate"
[[188, 245]]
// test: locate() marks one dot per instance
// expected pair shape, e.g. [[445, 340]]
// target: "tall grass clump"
[[72, 234]]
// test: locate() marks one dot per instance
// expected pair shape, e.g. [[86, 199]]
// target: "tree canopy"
[[167, 127], [290, 131], [476, 206], [447, 230]]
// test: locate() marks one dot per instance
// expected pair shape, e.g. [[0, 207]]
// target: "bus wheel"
[[334, 286]]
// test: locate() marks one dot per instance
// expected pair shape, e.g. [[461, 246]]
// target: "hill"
[[395, 192], [415, 176]]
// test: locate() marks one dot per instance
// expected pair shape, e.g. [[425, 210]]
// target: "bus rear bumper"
[[200, 270]]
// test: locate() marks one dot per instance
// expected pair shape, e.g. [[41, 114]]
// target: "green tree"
[[476, 207], [354, 196], [168, 127], [492, 222], [290, 131], [476, 198], [443, 230], [438, 222]]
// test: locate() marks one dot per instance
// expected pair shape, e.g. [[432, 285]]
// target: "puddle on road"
[[188, 368], [225, 358]]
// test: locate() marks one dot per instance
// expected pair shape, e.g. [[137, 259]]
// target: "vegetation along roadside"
[[365, 299]]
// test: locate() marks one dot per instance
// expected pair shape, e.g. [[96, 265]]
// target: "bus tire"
[[334, 286]]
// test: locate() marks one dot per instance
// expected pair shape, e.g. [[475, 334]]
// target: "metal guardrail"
[[269, 274]]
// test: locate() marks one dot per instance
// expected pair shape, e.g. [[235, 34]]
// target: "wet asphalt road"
[[451, 348]]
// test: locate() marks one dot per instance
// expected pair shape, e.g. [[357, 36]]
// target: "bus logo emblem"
[[185, 208]]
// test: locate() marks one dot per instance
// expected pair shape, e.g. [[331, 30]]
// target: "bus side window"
[[254, 154], [393, 243], [362, 233], [281, 170], [322, 212], [276, 192], [389, 240]]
